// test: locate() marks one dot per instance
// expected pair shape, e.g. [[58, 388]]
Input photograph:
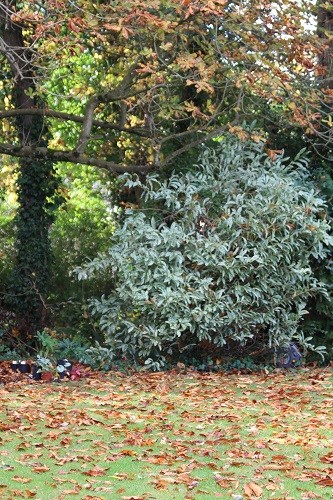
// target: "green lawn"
[[169, 436]]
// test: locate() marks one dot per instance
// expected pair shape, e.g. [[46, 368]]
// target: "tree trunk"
[[35, 186], [325, 28]]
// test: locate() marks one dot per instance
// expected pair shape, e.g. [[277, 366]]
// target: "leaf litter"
[[168, 435]]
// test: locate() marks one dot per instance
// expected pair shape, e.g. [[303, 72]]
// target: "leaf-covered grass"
[[169, 436]]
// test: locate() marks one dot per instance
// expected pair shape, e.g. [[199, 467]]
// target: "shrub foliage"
[[223, 252]]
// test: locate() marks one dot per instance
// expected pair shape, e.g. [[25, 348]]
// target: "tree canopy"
[[138, 83]]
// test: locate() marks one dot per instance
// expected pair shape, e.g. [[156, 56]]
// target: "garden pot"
[[15, 366], [47, 376], [36, 372], [24, 367], [288, 356], [64, 368]]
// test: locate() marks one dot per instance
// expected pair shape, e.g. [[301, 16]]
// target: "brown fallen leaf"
[[252, 489], [75, 491], [328, 459], [286, 466], [133, 498], [160, 460], [309, 495], [325, 481], [128, 453], [90, 497], [21, 479], [30, 493], [96, 471], [17, 493], [120, 475], [40, 469]]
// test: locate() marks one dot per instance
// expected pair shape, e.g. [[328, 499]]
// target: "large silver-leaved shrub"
[[221, 252]]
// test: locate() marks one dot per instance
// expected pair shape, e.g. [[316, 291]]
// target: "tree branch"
[[121, 92], [193, 144], [44, 153], [31, 151], [74, 118]]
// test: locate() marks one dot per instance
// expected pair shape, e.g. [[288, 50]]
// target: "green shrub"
[[221, 253], [51, 344]]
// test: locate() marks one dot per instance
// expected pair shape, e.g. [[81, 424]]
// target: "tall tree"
[[325, 53], [168, 75], [36, 179], [325, 29]]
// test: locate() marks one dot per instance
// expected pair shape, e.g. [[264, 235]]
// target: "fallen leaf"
[[96, 471], [21, 479], [30, 493], [133, 498], [326, 481], [327, 458], [252, 489], [40, 468]]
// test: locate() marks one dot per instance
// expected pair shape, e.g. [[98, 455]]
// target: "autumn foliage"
[[169, 74]]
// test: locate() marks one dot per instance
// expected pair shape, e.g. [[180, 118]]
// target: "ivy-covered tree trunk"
[[32, 270], [35, 187]]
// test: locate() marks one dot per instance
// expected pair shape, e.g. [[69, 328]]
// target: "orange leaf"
[[273, 153], [128, 453], [112, 27]]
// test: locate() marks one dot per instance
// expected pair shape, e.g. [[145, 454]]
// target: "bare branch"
[[7, 51], [121, 92], [74, 118], [193, 144], [110, 166], [88, 120], [44, 153]]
